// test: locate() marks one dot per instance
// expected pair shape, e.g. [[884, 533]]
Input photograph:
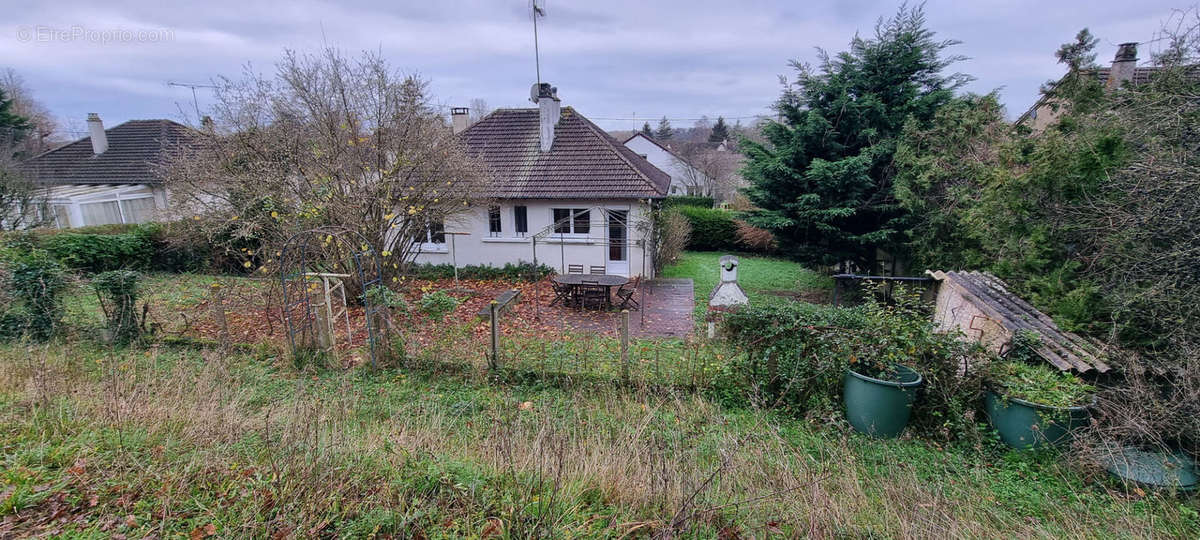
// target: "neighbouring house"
[[1124, 70], [110, 176], [686, 179], [980, 306], [563, 193]]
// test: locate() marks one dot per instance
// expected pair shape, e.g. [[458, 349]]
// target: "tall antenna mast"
[[195, 104], [537, 59]]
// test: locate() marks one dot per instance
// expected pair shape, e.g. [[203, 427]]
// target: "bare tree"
[[709, 171], [479, 109], [326, 141]]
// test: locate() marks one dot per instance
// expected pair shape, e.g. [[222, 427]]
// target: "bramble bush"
[[797, 355]]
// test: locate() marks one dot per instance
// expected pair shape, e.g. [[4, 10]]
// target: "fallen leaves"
[[203, 531]]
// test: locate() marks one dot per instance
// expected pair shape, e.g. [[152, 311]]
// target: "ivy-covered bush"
[[34, 283], [118, 292], [797, 354]]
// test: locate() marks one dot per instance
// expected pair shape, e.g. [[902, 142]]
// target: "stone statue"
[[727, 292]]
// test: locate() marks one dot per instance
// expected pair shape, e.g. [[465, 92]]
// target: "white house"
[[564, 193], [685, 179], [110, 176]]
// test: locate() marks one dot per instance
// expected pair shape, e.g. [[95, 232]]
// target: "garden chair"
[[563, 293], [592, 293], [596, 270], [625, 294], [574, 268]]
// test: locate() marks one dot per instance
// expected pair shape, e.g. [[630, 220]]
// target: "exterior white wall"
[[481, 247], [681, 178]]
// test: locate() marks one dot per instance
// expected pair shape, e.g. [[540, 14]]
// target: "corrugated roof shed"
[[135, 149], [987, 293], [584, 162]]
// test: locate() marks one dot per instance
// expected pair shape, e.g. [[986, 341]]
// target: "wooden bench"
[[504, 301]]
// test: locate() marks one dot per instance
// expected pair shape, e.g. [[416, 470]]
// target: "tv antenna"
[[538, 7], [195, 104]]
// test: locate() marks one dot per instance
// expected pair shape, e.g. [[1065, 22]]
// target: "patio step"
[[504, 301]]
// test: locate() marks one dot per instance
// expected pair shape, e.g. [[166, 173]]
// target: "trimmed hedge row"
[[522, 271], [688, 200], [712, 229], [117, 247]]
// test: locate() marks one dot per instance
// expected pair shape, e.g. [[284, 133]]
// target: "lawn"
[[170, 441], [758, 276]]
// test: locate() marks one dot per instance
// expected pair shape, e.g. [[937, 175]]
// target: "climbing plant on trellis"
[[325, 274]]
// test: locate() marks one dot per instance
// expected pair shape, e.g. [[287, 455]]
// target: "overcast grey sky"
[[611, 59]]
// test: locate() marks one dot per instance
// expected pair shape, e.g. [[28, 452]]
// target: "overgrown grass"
[[756, 275], [169, 441]]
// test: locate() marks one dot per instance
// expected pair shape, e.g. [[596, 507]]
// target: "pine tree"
[[646, 130], [664, 131], [12, 126], [720, 131], [823, 178]]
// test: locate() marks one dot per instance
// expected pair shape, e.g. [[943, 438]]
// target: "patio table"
[[608, 281]]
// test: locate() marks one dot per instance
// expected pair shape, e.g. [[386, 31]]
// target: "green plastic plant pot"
[[877, 407], [1026, 425]]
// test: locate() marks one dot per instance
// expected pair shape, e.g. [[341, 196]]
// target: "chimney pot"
[[96, 133], [459, 118]]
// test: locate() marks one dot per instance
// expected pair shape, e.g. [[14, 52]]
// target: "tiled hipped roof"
[[584, 162], [135, 149]]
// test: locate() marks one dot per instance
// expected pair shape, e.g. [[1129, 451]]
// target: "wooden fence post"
[[217, 304], [625, 345], [494, 359]]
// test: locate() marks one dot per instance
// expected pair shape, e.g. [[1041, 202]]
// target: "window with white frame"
[[494, 227], [521, 220], [575, 221]]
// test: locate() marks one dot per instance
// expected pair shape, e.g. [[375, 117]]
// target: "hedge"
[[115, 247], [524, 271], [712, 229], [688, 200]]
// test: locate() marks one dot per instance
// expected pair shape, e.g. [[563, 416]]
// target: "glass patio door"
[[618, 243]]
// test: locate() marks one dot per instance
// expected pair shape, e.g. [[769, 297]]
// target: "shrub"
[[797, 355], [687, 200], [35, 282], [672, 232], [118, 291], [712, 230], [437, 304], [755, 238]]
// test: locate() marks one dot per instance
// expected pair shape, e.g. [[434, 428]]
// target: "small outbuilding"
[[979, 305]]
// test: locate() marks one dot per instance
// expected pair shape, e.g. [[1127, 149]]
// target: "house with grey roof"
[[110, 176], [563, 192]]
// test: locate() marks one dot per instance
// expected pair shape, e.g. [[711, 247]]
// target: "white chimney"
[[1123, 65], [96, 131], [549, 110], [460, 118]]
